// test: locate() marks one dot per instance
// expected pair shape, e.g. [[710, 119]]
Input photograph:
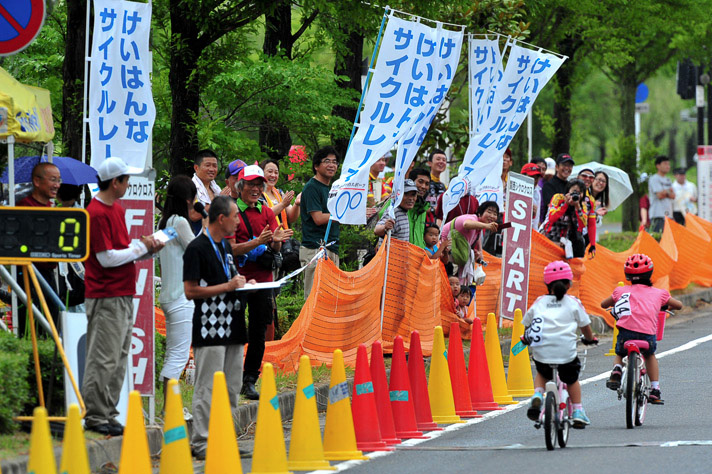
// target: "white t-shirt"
[[552, 325]]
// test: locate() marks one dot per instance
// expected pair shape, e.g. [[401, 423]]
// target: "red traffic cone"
[[478, 372], [401, 395], [419, 386], [383, 401], [363, 408], [458, 374]]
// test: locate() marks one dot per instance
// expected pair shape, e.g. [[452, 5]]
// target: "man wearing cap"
[[534, 171], [685, 196], [233, 169], [400, 225], [258, 228], [110, 286], [206, 169], [557, 183]]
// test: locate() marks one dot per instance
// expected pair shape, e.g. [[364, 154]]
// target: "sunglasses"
[[586, 176]]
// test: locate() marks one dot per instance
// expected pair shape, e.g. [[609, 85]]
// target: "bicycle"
[[635, 383], [557, 409]]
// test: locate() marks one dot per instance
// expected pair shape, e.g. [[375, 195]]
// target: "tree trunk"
[[562, 104], [185, 90], [73, 80], [349, 65], [627, 86], [274, 136]]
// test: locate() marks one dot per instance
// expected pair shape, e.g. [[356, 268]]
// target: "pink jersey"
[[638, 306], [470, 234]]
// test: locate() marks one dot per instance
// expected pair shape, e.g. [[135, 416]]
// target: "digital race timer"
[[44, 234]]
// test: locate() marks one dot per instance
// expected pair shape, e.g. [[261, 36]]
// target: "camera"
[[575, 196]]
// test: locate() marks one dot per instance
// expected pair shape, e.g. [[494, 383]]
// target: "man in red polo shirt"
[[45, 183], [258, 227], [110, 287]]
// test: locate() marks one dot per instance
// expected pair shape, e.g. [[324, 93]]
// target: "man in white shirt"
[[685, 196], [206, 169]]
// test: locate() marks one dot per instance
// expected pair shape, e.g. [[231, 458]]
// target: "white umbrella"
[[619, 187]]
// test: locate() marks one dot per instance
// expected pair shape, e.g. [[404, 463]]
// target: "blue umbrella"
[[72, 171]]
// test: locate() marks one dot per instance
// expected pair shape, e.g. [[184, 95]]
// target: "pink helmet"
[[558, 270]]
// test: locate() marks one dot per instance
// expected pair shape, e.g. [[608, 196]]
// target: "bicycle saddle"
[[641, 345]]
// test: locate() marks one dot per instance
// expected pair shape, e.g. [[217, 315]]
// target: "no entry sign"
[[20, 22]]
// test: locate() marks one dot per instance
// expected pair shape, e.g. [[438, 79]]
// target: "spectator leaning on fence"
[[110, 288], [399, 226], [315, 214]]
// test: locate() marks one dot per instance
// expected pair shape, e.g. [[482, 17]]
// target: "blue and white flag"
[[410, 144], [526, 74], [121, 108], [404, 82]]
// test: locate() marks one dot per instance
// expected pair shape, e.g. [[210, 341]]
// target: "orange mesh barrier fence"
[[344, 307], [702, 229]]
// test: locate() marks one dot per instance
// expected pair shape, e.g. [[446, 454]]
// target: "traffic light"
[[686, 79]]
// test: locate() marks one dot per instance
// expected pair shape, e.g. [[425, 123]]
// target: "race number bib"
[[534, 332], [622, 306]]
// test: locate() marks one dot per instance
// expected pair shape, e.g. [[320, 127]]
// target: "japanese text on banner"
[[409, 145], [526, 74], [121, 108], [403, 83], [485, 71]]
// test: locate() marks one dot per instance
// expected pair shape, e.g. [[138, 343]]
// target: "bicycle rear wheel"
[[550, 421], [631, 390], [642, 400], [564, 424]]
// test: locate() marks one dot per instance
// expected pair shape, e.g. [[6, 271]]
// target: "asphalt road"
[[676, 437]]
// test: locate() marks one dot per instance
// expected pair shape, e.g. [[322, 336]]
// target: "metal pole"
[[529, 135], [19, 293], [637, 139], [11, 201], [385, 277]]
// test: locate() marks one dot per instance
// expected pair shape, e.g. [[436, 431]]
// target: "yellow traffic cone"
[[74, 450], [269, 454], [41, 453], [223, 454], [520, 382], [442, 403], [306, 452], [135, 456], [612, 352], [339, 433], [175, 453], [495, 364]]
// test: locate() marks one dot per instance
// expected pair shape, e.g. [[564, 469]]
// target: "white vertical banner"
[[121, 108], [704, 182], [485, 72], [526, 74], [404, 81], [410, 143]]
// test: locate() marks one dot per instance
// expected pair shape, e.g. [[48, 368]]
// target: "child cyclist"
[[551, 324], [636, 308]]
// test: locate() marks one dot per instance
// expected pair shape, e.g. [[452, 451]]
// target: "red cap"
[[531, 169]]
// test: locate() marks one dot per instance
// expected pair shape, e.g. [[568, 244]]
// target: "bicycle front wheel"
[[564, 424], [550, 421], [631, 390]]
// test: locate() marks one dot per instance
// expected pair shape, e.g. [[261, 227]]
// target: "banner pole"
[[385, 277], [86, 81]]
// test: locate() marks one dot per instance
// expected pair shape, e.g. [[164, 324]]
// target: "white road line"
[[343, 466]]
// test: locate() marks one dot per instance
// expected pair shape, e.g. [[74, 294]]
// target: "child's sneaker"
[[580, 419], [614, 382], [535, 407], [654, 397]]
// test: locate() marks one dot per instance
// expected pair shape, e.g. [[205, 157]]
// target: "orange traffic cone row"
[[401, 395], [383, 401], [478, 372], [363, 407], [458, 374], [419, 386]]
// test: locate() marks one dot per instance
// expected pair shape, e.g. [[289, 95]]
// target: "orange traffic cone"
[[495, 364], [419, 386], [383, 401], [363, 407], [458, 374], [400, 394], [478, 372]]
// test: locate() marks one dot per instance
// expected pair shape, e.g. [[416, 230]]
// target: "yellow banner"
[[25, 111]]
